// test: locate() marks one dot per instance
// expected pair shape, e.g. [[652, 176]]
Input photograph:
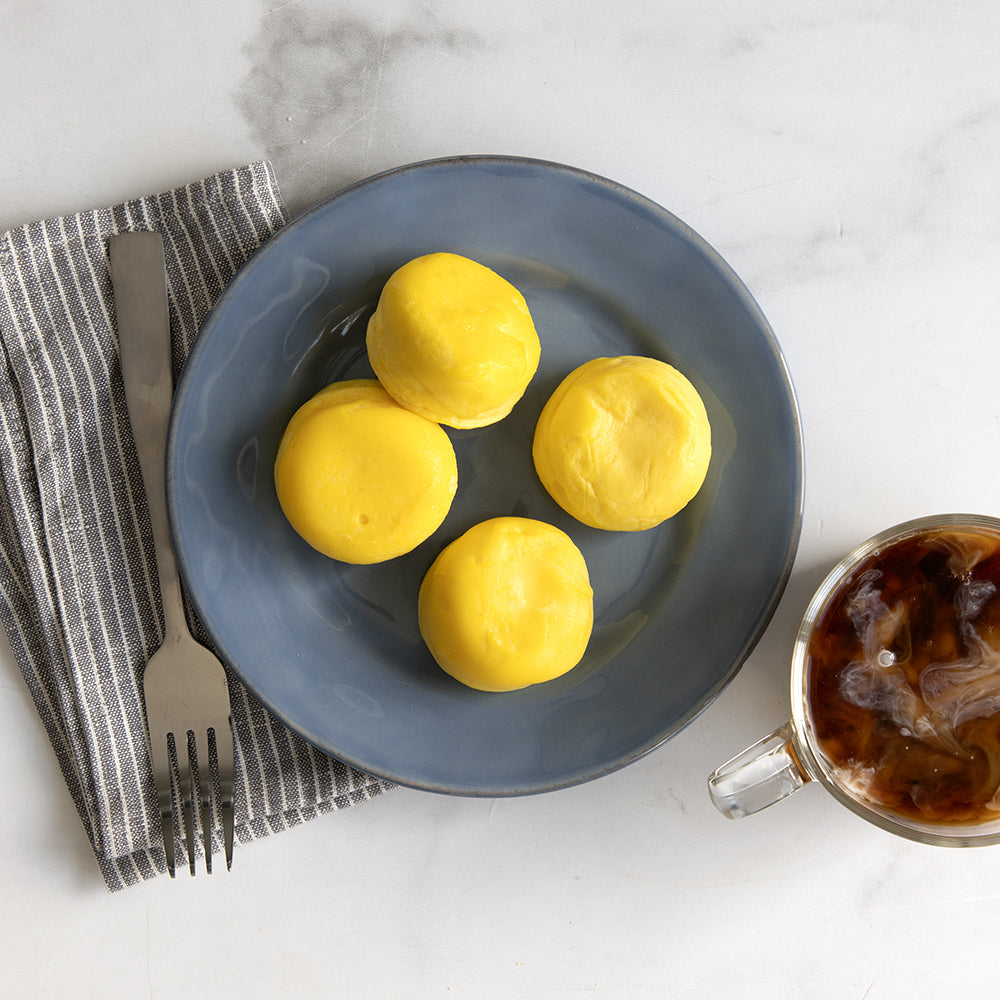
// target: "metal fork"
[[184, 684]]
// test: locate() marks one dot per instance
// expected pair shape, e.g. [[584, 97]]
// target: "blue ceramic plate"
[[334, 650]]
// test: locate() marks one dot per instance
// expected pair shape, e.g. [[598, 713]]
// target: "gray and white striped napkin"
[[78, 592]]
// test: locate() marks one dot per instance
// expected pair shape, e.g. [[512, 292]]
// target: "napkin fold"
[[78, 594]]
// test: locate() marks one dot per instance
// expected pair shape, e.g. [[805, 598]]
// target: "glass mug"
[[895, 689]]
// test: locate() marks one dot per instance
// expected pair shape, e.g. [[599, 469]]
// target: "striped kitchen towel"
[[78, 593]]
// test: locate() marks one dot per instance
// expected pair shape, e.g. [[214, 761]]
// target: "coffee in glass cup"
[[895, 689]]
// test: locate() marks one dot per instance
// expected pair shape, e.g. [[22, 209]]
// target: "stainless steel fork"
[[184, 684]]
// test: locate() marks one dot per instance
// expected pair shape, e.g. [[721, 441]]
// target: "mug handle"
[[759, 776]]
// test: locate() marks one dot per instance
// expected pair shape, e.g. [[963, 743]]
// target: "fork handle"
[[139, 277]]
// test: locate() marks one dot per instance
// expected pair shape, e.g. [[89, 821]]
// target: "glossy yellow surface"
[[507, 604], [453, 341], [623, 443], [359, 477]]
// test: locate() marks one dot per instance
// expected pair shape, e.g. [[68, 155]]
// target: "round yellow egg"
[[361, 478], [453, 341], [623, 443], [507, 604]]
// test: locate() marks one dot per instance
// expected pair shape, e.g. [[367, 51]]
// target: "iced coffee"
[[902, 678]]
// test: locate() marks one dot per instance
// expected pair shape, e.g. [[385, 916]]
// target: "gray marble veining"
[[327, 92]]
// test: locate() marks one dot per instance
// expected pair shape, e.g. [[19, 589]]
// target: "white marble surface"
[[845, 158]]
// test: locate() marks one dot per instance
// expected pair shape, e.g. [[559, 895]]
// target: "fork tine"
[[163, 781], [224, 755], [186, 796], [205, 793]]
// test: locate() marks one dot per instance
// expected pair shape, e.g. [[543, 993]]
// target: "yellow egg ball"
[[507, 604], [623, 443], [453, 341], [361, 478]]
